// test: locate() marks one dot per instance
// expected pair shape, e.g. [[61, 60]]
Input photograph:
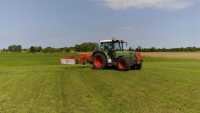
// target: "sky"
[[60, 23]]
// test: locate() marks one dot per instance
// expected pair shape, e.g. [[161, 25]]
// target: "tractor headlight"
[[109, 60]]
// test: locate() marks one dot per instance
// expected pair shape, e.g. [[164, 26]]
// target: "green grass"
[[37, 83]]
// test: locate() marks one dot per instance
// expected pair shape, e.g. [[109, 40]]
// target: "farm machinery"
[[112, 54]]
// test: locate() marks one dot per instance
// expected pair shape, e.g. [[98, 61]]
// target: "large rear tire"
[[99, 61]]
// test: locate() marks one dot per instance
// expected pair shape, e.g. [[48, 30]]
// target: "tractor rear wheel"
[[99, 61], [122, 65]]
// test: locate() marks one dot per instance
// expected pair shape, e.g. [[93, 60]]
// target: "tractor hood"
[[129, 54]]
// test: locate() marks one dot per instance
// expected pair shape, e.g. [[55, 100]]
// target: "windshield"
[[107, 46], [117, 46], [120, 45]]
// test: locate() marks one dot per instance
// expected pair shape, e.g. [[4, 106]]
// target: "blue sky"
[[58, 23]]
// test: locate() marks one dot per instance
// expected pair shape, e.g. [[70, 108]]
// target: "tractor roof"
[[104, 41]]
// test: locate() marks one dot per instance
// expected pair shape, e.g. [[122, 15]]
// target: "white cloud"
[[161, 4]]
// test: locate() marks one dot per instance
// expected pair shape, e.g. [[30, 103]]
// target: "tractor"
[[114, 53]]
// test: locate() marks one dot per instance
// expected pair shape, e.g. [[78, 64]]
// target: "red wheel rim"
[[98, 62], [121, 65]]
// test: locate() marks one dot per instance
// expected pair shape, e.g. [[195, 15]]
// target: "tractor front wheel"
[[99, 61], [122, 65]]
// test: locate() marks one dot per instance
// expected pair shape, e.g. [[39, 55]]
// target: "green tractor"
[[113, 53]]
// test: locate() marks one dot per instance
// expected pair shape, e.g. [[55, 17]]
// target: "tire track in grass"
[[8, 75], [79, 99], [9, 93], [68, 91], [107, 91], [46, 99], [60, 83], [167, 82], [30, 91], [159, 84], [74, 94], [26, 94], [96, 101], [59, 90], [35, 88], [188, 90], [144, 86], [126, 95]]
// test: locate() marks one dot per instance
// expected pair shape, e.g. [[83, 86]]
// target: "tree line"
[[181, 49], [90, 46], [83, 47]]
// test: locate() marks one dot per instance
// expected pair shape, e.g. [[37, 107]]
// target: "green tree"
[[15, 48], [49, 50], [85, 47], [34, 49]]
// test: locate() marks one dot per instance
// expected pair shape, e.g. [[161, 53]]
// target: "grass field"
[[174, 55], [37, 83]]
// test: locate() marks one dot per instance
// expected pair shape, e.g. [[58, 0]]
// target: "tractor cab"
[[116, 48], [113, 45]]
